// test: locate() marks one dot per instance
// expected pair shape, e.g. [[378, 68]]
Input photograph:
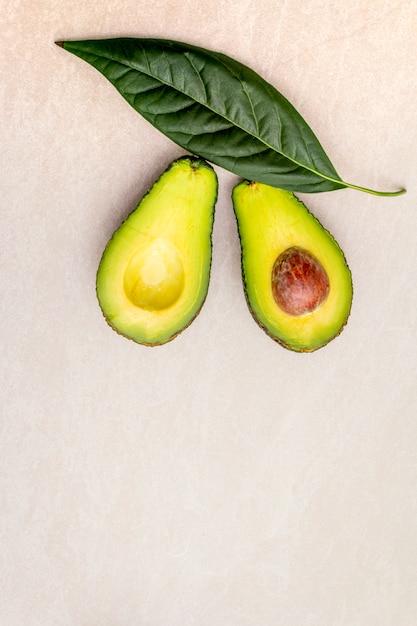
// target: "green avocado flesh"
[[297, 283], [154, 274]]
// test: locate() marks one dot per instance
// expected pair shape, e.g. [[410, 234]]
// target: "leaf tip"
[[60, 44]]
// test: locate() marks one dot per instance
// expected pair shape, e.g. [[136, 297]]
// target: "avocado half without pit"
[[154, 274], [297, 283]]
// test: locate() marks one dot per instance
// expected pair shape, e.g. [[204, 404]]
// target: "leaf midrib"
[[225, 117]]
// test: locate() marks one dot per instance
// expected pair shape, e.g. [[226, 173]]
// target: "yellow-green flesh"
[[271, 220], [154, 273]]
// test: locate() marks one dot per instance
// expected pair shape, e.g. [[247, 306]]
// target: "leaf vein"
[[199, 77]]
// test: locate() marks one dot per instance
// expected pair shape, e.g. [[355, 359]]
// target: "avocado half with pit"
[[297, 283], [154, 274]]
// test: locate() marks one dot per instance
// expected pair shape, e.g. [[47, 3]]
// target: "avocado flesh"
[[271, 221], [154, 274]]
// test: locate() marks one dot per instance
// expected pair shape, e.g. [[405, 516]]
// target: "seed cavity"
[[155, 277], [299, 282]]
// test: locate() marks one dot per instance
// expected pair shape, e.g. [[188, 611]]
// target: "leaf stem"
[[400, 192]]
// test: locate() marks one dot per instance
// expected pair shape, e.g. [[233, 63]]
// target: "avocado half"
[[154, 274], [297, 283]]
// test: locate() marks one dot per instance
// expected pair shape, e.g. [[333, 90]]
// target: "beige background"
[[219, 480]]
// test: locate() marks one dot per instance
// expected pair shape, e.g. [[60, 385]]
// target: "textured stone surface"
[[219, 480]]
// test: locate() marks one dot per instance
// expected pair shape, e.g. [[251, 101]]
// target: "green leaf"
[[216, 108]]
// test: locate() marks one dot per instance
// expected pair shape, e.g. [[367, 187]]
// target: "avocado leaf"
[[217, 108]]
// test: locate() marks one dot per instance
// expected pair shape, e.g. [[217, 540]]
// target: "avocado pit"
[[299, 282]]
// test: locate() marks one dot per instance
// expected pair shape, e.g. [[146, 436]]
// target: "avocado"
[[297, 283], [154, 274]]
